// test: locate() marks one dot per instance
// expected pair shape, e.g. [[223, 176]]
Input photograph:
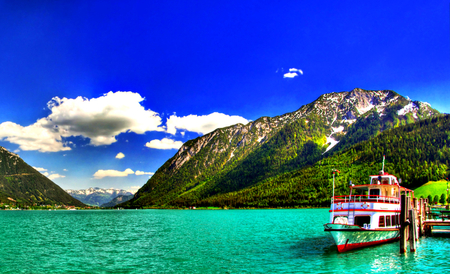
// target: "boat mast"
[[332, 199], [382, 169]]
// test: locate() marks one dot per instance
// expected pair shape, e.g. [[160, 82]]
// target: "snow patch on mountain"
[[332, 142], [411, 107], [365, 109]]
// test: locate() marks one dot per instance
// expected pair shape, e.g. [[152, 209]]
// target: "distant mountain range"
[[96, 196], [118, 200], [212, 168], [25, 185]]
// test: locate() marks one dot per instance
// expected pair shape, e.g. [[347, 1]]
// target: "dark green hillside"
[[417, 153], [295, 145], [23, 183]]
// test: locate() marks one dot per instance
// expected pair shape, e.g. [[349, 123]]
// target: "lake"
[[196, 241]]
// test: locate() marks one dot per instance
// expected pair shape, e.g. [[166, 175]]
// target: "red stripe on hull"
[[347, 247]]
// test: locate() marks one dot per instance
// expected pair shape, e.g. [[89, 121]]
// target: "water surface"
[[195, 241]]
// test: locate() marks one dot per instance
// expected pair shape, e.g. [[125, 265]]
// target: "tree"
[[436, 199], [443, 198], [430, 199]]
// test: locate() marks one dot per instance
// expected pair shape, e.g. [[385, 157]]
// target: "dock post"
[[412, 230], [408, 216], [421, 218], [416, 218], [403, 224]]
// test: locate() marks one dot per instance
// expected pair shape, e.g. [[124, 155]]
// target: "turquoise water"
[[195, 241]]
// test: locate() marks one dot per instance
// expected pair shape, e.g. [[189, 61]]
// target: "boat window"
[[374, 192], [381, 221], [394, 220], [361, 220], [388, 220]]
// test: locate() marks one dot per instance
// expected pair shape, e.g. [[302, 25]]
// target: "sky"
[[102, 93]]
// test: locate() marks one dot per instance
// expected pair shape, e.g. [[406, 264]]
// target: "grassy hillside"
[[432, 189], [21, 182]]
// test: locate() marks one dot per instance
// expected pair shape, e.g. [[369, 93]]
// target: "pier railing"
[[366, 198]]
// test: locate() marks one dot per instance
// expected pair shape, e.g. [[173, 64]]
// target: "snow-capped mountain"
[[233, 158], [97, 196]]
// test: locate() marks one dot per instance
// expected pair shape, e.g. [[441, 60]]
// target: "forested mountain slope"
[[242, 156], [24, 184], [416, 153]]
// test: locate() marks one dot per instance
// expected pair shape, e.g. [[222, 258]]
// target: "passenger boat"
[[370, 215]]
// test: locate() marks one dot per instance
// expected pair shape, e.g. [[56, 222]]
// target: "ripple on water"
[[195, 241]]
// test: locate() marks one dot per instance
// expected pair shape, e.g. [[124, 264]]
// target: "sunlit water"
[[195, 241]]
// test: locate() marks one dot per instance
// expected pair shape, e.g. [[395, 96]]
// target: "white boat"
[[370, 215]]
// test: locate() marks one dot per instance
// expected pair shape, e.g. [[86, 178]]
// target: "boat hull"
[[348, 237]]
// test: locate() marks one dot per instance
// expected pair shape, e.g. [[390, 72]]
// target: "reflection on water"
[[196, 241]]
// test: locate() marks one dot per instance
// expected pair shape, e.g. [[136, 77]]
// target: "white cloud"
[[293, 72], [296, 70], [99, 174], [133, 189], [65, 169], [290, 75], [99, 119], [120, 155], [138, 172], [52, 176], [34, 137], [55, 176], [165, 143], [202, 124]]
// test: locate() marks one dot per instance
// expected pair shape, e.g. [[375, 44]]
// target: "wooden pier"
[[418, 218]]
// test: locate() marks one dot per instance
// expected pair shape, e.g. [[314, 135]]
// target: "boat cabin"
[[372, 205]]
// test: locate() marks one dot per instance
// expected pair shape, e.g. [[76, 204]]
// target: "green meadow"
[[432, 188]]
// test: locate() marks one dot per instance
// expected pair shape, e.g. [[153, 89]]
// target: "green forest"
[[292, 170], [416, 153]]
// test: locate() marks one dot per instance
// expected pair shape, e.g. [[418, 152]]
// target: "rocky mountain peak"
[[336, 109]]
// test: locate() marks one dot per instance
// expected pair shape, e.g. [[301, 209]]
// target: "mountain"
[[242, 156], [24, 184], [96, 196], [118, 200], [417, 153]]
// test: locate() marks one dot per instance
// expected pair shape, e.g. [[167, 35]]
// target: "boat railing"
[[366, 198]]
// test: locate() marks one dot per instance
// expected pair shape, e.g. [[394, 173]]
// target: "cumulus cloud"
[[202, 124], [34, 137], [120, 155], [99, 174], [102, 119], [133, 189], [296, 70], [293, 72], [138, 172], [55, 176], [290, 75], [99, 119], [52, 176], [165, 143]]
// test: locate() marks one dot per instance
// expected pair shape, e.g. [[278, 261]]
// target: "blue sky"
[[102, 93]]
